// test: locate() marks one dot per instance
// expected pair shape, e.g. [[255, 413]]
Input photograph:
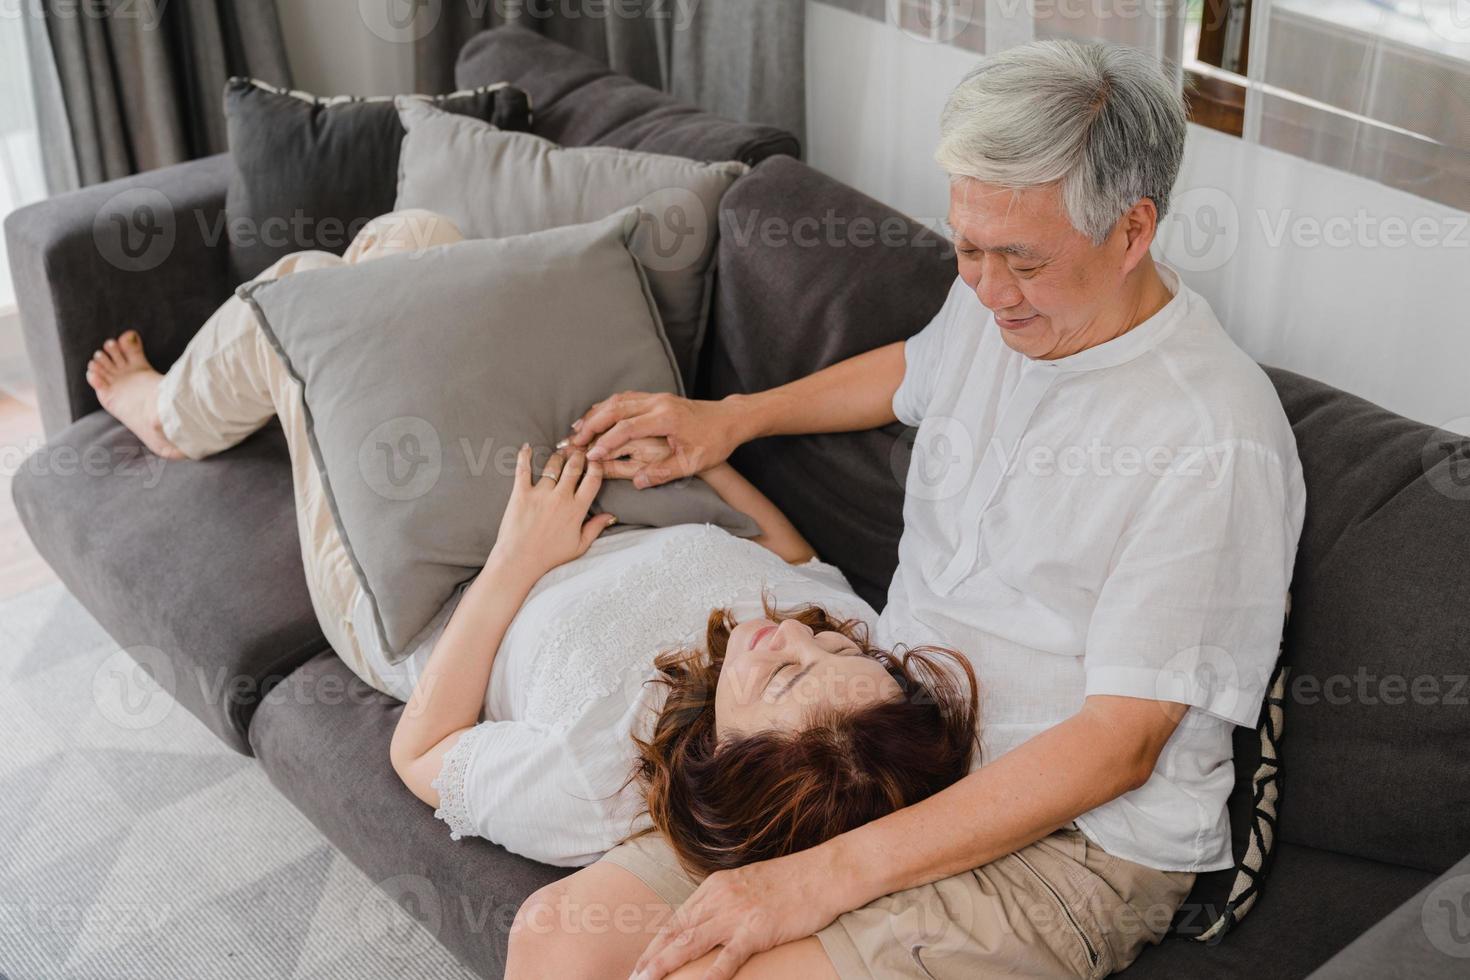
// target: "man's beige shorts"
[[1062, 907]]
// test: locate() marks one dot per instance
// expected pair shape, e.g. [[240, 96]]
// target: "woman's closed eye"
[[776, 672], [837, 643]]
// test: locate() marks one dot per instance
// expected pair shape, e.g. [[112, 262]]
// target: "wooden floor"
[[21, 569]]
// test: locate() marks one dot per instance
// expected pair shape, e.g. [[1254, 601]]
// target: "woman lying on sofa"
[[560, 703]]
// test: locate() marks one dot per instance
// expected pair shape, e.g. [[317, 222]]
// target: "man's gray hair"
[[1103, 119]]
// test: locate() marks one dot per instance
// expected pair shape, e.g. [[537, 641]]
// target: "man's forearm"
[[847, 396], [1020, 798]]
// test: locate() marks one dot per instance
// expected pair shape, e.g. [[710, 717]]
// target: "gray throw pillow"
[[494, 184], [423, 374]]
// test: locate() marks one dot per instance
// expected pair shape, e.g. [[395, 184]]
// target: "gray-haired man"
[[1102, 512]]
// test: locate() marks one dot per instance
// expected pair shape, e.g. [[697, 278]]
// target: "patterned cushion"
[[1220, 899]]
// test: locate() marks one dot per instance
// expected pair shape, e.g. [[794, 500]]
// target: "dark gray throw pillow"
[[311, 171], [424, 372]]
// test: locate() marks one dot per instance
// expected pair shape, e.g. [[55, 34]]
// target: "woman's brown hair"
[[725, 803]]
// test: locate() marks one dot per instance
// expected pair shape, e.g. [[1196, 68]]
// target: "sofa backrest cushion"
[[1378, 705], [811, 272], [577, 100]]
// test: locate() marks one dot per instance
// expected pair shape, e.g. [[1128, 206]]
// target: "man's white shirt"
[[1123, 521]]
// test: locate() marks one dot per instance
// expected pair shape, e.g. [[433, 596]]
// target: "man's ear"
[[1139, 224]]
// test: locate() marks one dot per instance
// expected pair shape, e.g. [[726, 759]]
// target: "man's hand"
[[636, 455], [747, 911], [697, 434]]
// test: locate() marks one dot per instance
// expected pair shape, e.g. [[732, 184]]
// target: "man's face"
[[1052, 291]]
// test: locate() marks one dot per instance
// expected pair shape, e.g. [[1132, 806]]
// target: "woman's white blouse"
[[546, 773]]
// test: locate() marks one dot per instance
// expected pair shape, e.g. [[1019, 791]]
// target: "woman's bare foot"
[[127, 387]]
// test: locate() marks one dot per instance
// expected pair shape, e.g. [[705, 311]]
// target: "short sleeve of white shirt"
[[923, 357], [1192, 609], [523, 788], [556, 796]]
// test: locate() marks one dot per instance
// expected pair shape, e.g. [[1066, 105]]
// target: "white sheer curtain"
[[25, 68], [1333, 238], [1327, 239]]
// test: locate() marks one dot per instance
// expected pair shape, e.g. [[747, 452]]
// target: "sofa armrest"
[[1428, 936], [148, 252]]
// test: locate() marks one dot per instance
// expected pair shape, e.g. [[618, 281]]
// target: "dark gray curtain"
[[743, 59], [143, 80], [634, 46]]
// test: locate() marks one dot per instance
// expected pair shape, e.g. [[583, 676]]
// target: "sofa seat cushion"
[[195, 564], [1315, 903], [323, 739], [577, 100]]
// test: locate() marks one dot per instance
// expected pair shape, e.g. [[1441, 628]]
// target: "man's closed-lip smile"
[[1010, 324]]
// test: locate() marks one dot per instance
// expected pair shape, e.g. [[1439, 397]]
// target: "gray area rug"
[[134, 844]]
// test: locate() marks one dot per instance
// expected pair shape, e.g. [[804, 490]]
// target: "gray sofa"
[[201, 562]]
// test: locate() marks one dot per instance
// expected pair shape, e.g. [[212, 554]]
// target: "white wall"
[[1306, 266], [334, 51]]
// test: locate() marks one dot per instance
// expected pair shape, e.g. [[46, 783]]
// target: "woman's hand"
[[545, 524], [634, 456], [747, 911], [698, 434]]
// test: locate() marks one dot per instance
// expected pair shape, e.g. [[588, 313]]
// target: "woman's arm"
[[777, 532], [545, 525], [446, 701]]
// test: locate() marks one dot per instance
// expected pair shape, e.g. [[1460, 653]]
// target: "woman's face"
[[774, 675]]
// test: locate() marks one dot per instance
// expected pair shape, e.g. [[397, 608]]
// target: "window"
[[1380, 88]]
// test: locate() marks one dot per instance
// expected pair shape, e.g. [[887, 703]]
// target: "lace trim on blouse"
[[655, 605], [453, 808]]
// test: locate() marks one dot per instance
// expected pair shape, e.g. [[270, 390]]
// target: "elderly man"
[[1102, 513]]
